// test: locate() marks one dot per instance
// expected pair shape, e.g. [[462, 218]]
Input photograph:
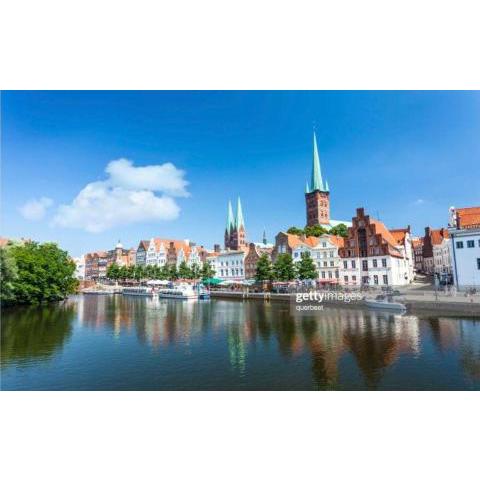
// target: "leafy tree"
[[184, 271], [123, 272], [306, 268], [149, 272], [8, 273], [195, 271], [44, 273], [139, 272], [315, 230], [113, 271], [284, 269], [264, 268], [157, 272], [165, 272], [295, 231], [173, 273], [207, 271], [131, 271], [341, 229]]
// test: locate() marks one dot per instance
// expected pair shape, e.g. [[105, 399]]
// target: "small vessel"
[[95, 291], [142, 291], [181, 292], [384, 302]]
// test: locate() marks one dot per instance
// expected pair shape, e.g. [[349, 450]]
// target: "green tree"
[[139, 272], [123, 272], [149, 272], [207, 271], [157, 272], [45, 273], [165, 272], [113, 271], [264, 269], [315, 230], [173, 273], [341, 229], [131, 272], [295, 231], [306, 268], [195, 271], [8, 273], [184, 271], [284, 269]]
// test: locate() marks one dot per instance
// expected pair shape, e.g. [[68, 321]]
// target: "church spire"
[[316, 183], [230, 222], [239, 222]]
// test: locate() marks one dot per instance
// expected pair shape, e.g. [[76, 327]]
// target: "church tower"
[[317, 194], [235, 233]]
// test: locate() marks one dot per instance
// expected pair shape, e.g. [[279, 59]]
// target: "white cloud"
[[419, 201], [126, 196], [36, 209]]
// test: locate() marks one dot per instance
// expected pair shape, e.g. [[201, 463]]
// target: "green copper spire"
[[230, 220], [326, 186], [239, 220], [307, 188], [316, 183]]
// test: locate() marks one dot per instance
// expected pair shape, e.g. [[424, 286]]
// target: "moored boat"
[[180, 292], [384, 302], [141, 291]]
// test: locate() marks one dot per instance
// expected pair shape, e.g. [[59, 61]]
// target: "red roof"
[[468, 217]]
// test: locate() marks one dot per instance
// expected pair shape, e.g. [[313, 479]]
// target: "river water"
[[134, 343]]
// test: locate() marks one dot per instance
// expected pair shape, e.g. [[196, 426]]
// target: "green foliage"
[[165, 272], [113, 272], [295, 231], [207, 271], [44, 273], [173, 273], [264, 268], [306, 268], [196, 271], [284, 269], [139, 272], [341, 230], [184, 271], [315, 230], [8, 273]]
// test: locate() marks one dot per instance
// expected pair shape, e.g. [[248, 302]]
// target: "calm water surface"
[[134, 343]]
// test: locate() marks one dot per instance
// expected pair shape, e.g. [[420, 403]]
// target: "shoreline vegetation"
[[33, 273]]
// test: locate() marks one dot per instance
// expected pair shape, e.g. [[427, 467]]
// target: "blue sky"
[[404, 156]]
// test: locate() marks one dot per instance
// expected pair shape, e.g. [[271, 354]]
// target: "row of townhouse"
[[464, 231], [94, 265], [161, 251], [436, 252]]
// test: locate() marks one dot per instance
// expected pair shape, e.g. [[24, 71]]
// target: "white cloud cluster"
[[126, 196], [36, 209]]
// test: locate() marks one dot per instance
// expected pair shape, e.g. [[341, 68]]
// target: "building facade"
[[464, 230], [436, 252], [230, 265], [235, 237], [371, 255], [417, 245], [255, 251]]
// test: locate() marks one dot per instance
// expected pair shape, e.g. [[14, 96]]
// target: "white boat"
[[141, 291], [181, 292], [93, 291], [384, 302]]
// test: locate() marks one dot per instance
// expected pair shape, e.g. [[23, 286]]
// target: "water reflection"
[[35, 332], [339, 349]]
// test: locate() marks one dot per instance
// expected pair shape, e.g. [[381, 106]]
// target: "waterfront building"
[[324, 251], [255, 251], [404, 240], [162, 251], [371, 255], [235, 233], [230, 265], [79, 267], [119, 255], [317, 195], [95, 265], [436, 252], [464, 230], [141, 253], [417, 245]]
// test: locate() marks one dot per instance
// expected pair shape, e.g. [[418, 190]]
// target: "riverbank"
[[448, 306]]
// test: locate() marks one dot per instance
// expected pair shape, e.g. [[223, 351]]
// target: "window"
[[459, 244], [364, 265], [384, 262], [295, 254], [470, 243], [324, 264], [375, 279], [336, 274], [345, 265], [329, 274], [324, 245], [345, 278], [478, 263], [323, 274], [354, 278], [374, 261], [331, 264], [385, 279], [353, 263]]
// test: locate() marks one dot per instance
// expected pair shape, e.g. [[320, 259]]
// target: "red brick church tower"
[[317, 194], [235, 234]]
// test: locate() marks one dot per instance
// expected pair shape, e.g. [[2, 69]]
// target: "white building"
[[464, 233], [80, 267], [156, 253], [324, 252], [404, 240], [229, 265]]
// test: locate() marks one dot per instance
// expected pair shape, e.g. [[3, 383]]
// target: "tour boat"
[[93, 291], [142, 291], [181, 292], [384, 302]]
